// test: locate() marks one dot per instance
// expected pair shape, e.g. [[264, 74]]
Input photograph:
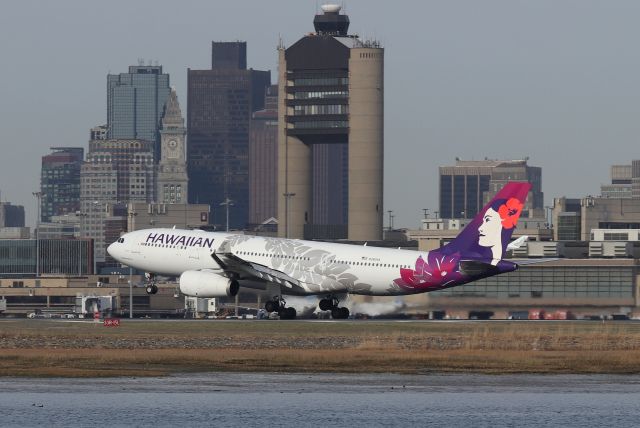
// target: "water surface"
[[248, 399]]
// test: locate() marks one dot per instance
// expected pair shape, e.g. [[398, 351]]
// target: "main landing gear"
[[277, 304], [150, 287], [331, 304]]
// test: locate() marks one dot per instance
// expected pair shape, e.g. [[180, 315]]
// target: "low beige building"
[[59, 295], [182, 216], [435, 233]]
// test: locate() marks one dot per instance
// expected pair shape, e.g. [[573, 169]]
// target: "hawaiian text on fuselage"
[[185, 241]]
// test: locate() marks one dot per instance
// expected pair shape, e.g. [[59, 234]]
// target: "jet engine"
[[207, 284]]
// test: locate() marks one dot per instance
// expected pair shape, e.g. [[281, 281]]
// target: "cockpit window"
[[121, 240]]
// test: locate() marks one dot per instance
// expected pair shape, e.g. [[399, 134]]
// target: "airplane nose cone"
[[111, 249]]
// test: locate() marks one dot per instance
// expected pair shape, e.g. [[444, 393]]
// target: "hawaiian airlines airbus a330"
[[217, 264]]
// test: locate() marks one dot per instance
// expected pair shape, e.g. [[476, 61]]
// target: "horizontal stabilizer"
[[517, 243], [534, 261], [474, 268]]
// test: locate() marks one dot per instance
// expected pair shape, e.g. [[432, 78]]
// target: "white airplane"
[[217, 264]]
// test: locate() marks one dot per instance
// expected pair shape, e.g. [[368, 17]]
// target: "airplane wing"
[[232, 263]]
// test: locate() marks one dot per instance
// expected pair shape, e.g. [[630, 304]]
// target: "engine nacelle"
[[207, 284]]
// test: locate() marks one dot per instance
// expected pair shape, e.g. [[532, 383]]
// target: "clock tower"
[[172, 168]]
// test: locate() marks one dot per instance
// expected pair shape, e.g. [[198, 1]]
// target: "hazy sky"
[[554, 80]]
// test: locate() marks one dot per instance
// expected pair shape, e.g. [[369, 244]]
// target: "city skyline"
[[497, 79]]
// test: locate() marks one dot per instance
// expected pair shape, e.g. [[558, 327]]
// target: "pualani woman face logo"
[[490, 229], [499, 216]]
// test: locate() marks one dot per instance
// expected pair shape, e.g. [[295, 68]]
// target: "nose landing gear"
[[150, 287], [331, 304]]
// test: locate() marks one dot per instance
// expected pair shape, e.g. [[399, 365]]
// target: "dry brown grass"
[[112, 362], [154, 349]]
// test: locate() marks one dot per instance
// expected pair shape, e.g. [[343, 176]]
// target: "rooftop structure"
[[621, 183]]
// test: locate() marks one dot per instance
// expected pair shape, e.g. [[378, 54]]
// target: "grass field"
[[151, 348]]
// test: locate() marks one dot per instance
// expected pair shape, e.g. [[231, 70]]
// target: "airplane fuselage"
[[215, 264], [318, 267]]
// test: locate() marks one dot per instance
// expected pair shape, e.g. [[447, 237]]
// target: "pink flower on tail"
[[439, 270]]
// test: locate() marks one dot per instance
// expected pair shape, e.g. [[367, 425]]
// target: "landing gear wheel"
[[271, 306], [330, 303], [335, 313], [287, 313], [339, 313], [278, 304], [325, 305], [154, 289], [344, 313]]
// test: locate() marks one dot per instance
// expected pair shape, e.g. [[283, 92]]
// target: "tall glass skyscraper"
[[220, 102], [60, 182], [135, 102]]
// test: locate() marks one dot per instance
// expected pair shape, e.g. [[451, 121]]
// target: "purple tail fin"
[[487, 236]]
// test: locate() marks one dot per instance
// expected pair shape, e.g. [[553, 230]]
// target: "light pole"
[[130, 292], [426, 212], [81, 215], [98, 216], [38, 196], [227, 202], [79, 258], [132, 214], [287, 206]]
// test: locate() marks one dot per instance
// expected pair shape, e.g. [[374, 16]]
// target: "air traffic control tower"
[[330, 133]]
